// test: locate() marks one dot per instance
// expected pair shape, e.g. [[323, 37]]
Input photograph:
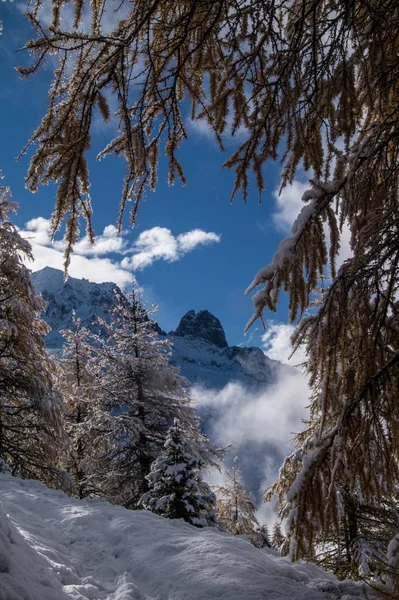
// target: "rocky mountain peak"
[[203, 325]]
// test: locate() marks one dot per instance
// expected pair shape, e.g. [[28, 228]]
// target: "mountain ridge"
[[199, 348], [89, 300]]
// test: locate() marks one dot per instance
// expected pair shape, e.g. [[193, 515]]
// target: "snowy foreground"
[[53, 547]]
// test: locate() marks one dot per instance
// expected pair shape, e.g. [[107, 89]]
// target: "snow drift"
[[53, 547]]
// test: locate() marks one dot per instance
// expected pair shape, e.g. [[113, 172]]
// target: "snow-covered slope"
[[53, 547], [88, 299], [210, 366]]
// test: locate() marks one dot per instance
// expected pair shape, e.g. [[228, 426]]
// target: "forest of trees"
[[315, 85]]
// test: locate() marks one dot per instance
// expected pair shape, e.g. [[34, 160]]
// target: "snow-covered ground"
[[53, 547]]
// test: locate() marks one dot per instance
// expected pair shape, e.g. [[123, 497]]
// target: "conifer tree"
[[177, 490], [82, 398], [261, 537], [29, 407], [235, 505], [278, 538], [142, 395]]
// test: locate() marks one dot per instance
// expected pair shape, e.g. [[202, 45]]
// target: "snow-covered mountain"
[[86, 298], [204, 357], [244, 398], [200, 348], [54, 547]]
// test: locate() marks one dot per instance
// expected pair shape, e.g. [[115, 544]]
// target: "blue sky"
[[208, 249]]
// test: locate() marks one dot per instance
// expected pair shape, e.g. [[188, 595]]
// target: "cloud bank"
[[112, 257], [277, 344], [260, 423]]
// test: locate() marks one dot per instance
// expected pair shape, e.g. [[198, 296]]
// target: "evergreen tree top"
[[177, 489]]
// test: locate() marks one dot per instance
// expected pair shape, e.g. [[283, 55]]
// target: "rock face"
[[202, 325]]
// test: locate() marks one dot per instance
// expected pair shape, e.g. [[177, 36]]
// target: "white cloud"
[[259, 423], [109, 20], [50, 254], [159, 243], [109, 241], [345, 250], [190, 240], [40, 228], [277, 344], [271, 415], [93, 262], [202, 128], [289, 204], [154, 244]]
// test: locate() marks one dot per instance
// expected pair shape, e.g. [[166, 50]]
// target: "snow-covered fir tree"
[[84, 414], [279, 541], [236, 506], [29, 408], [261, 537], [177, 490], [142, 395]]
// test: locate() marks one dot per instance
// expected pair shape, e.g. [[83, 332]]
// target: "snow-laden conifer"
[[278, 541], [29, 411], [142, 395], [84, 414], [177, 490], [261, 537], [235, 505]]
